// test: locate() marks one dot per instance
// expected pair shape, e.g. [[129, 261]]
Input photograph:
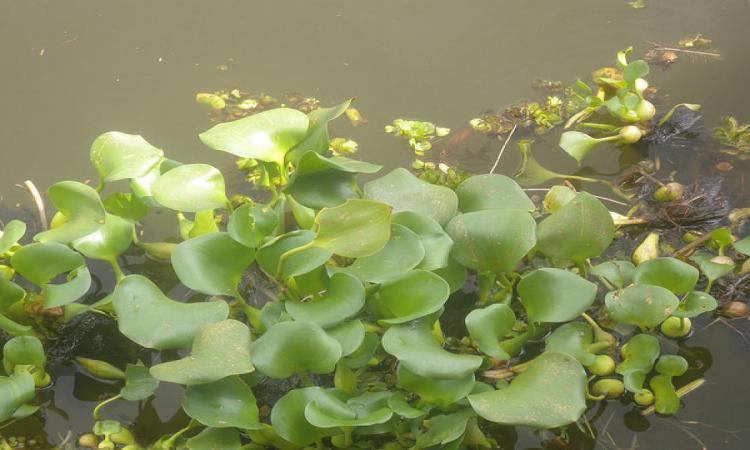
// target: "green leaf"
[[694, 304], [191, 188], [288, 416], [742, 246], [363, 353], [530, 172], [416, 348], [215, 439], [228, 402], [634, 70], [24, 351], [493, 239], [403, 252], [251, 224], [343, 299], [666, 400], [617, 272], [445, 429], [436, 242], [639, 356], [492, 191], [577, 144], [443, 392], [487, 326], [455, 274], [266, 136], [555, 295], [152, 320], [220, 350], [316, 138], [405, 192], [557, 197], [10, 235], [671, 365], [119, 156], [289, 348], [581, 229], [535, 398], [350, 336], [370, 408], [397, 402], [127, 206], [670, 273], [414, 294], [10, 293], [40, 263], [712, 267], [82, 208], [139, 384], [355, 229], [15, 391], [212, 263], [321, 182], [108, 242], [298, 263], [573, 339], [644, 306], [304, 216]]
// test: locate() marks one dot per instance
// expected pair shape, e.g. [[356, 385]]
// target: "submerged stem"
[[101, 405]]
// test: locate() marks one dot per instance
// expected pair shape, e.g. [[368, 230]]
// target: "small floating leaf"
[[670, 273], [639, 356], [250, 224], [288, 415], [440, 391], [228, 402], [555, 295], [492, 191], [415, 294], [617, 272], [344, 298], [577, 144], [191, 188], [355, 229], [370, 408], [445, 429], [666, 400], [350, 336], [139, 384], [572, 339], [644, 306], [713, 267], [487, 326], [694, 304]]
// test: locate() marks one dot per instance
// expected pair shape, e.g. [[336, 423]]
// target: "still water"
[[72, 70]]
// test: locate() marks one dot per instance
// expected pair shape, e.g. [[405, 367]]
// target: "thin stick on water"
[[502, 149], [600, 197], [38, 201]]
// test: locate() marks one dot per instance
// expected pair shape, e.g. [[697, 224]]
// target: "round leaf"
[[350, 336], [555, 295], [487, 326], [617, 272], [9, 236], [250, 224], [644, 306], [298, 263], [670, 273], [572, 339], [355, 229], [228, 402], [440, 391], [343, 299], [119, 156], [82, 208], [288, 416], [694, 304], [109, 241], [415, 294], [139, 384], [436, 242], [191, 188], [491, 191]]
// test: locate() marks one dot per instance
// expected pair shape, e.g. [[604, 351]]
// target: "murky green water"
[[71, 70]]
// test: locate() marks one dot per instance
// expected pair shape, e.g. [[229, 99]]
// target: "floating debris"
[[228, 105], [734, 135], [697, 41], [550, 86], [355, 117], [637, 4], [420, 134], [661, 58]]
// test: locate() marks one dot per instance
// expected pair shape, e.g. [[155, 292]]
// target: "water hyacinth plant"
[[362, 277]]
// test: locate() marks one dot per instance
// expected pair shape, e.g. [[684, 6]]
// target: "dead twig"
[[38, 201], [502, 149]]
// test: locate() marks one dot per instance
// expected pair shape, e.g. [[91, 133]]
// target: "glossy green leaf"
[[127, 206], [212, 263], [405, 192], [321, 182], [24, 351], [530, 172], [550, 393], [10, 293], [363, 353], [219, 350], [304, 216], [191, 188], [11, 234], [555, 295], [634, 70], [436, 242], [150, 319], [370, 408], [288, 416], [109, 241], [215, 439], [639, 355], [204, 223], [670, 273], [666, 400], [139, 384], [671, 365], [414, 294], [15, 391], [119, 156], [487, 327], [439, 391], [492, 239], [344, 298], [251, 224], [416, 348], [557, 197], [712, 267], [492, 191], [573, 339], [581, 229], [266, 136], [445, 429], [82, 208], [694, 304], [617, 272], [316, 138], [289, 348], [355, 229], [644, 306], [301, 262], [228, 402], [350, 336], [577, 144]]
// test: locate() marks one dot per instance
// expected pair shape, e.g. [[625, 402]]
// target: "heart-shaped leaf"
[[127, 206], [405, 192], [572, 339], [694, 304], [152, 320], [492, 239], [670, 273], [634, 70], [644, 306], [439, 391], [713, 267], [316, 139], [416, 348], [288, 415], [344, 298], [119, 156], [251, 224], [298, 263], [220, 350], [530, 172], [415, 294], [24, 351], [487, 326], [555, 295], [639, 355], [81, 207], [355, 229], [671, 365], [436, 242], [266, 136], [370, 408], [321, 182], [350, 336], [215, 439], [228, 402], [577, 144], [139, 384], [403, 252], [535, 398], [10, 235], [581, 229], [109, 241], [191, 188], [445, 429], [15, 391], [212, 263], [492, 191], [617, 272], [289, 348]]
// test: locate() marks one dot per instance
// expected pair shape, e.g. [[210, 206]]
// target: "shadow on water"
[[72, 71]]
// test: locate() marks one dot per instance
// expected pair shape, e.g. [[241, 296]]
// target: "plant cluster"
[[734, 135]]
